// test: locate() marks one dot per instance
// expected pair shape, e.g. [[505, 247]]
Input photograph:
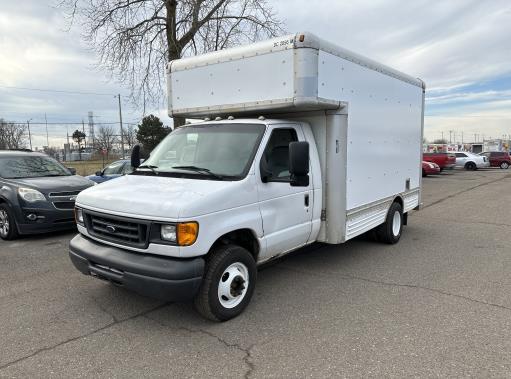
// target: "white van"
[[300, 141]]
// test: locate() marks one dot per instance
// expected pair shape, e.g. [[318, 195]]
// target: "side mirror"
[[72, 170], [135, 156], [299, 163], [99, 173]]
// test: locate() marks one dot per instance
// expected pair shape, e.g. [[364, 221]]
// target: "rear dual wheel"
[[228, 283], [390, 231]]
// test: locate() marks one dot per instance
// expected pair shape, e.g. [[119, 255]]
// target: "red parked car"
[[430, 168], [443, 160], [498, 159]]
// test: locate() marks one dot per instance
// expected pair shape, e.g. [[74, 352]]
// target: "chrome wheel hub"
[[4, 223], [396, 223], [233, 285]]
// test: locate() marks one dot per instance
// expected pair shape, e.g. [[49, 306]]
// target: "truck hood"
[[55, 183], [163, 198]]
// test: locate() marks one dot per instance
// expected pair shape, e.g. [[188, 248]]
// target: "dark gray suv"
[[37, 194]]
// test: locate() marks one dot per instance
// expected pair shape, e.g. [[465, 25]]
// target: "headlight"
[[184, 233], [168, 233], [30, 195], [432, 165], [79, 216]]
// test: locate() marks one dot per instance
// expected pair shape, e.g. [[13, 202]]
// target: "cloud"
[[459, 47]]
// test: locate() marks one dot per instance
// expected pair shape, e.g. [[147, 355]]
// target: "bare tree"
[[135, 39], [130, 136], [106, 139], [12, 135]]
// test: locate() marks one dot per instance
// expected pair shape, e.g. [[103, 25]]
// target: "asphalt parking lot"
[[436, 304]]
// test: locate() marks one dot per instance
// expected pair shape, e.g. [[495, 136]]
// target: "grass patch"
[[85, 168]]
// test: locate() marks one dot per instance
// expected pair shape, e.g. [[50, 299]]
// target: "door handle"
[[306, 199]]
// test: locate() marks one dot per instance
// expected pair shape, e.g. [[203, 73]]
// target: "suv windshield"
[[16, 167], [212, 151]]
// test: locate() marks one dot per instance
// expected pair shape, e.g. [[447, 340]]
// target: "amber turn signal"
[[187, 233]]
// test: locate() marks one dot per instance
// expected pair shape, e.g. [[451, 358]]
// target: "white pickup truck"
[[300, 141]]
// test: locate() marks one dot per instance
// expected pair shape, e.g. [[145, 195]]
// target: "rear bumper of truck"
[[169, 279]]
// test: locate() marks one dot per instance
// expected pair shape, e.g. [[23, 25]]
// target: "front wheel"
[[504, 165], [8, 229], [228, 283], [470, 166], [390, 231]]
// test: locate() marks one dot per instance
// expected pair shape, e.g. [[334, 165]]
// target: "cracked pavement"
[[436, 304]]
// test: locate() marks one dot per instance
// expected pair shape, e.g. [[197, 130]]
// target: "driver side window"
[[276, 154]]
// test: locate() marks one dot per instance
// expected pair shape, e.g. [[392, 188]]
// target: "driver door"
[[286, 211]]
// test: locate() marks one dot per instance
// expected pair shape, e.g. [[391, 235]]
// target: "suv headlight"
[[30, 195], [183, 233]]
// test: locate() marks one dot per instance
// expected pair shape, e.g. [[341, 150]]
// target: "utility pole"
[[83, 130], [120, 121], [442, 135], [450, 136], [29, 136], [462, 138], [47, 139]]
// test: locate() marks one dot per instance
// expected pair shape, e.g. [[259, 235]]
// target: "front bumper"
[[48, 219], [170, 279]]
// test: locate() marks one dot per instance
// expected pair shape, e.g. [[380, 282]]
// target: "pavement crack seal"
[[49, 348], [402, 285], [465, 190], [247, 358]]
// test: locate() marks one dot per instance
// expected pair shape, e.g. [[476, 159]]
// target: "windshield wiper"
[[150, 167], [199, 169]]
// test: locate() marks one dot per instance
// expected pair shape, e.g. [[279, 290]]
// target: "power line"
[[68, 123], [59, 91]]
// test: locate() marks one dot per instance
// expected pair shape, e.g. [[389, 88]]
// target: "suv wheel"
[[228, 283], [8, 228], [504, 165]]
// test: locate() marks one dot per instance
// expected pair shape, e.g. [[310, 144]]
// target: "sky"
[[460, 48]]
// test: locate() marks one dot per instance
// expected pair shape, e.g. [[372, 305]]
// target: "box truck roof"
[[283, 74]]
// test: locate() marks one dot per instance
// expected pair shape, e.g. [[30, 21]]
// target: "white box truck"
[[300, 141]]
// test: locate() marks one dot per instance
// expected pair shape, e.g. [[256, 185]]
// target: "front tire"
[[228, 283], [390, 231], [470, 166], [8, 227], [504, 165]]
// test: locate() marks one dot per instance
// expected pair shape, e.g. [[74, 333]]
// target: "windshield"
[[213, 151], [30, 167]]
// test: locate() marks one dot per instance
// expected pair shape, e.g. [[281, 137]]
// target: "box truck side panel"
[[260, 79], [383, 133]]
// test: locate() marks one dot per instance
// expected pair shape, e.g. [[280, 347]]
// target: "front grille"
[[63, 194], [64, 205], [121, 230]]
